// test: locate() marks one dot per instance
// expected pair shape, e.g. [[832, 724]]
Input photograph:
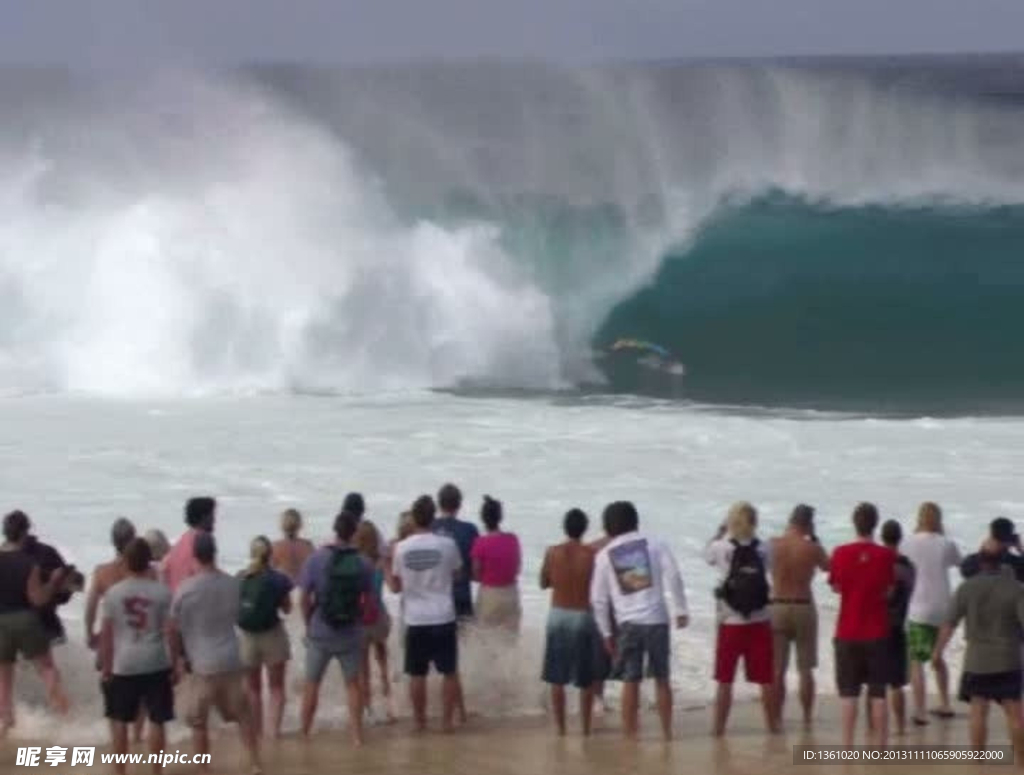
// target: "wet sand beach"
[[528, 746]]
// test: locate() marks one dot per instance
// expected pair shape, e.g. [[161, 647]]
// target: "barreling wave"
[[796, 232]]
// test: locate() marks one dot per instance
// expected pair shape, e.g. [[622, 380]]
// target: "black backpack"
[[745, 589], [258, 602]]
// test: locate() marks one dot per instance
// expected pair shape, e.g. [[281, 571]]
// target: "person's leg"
[[254, 685], [50, 676], [444, 653], [418, 698], [807, 691], [139, 727], [849, 721], [380, 649], [157, 742], [880, 717], [919, 691], [275, 680], [586, 709], [364, 680], [201, 743], [723, 705], [897, 697], [979, 721], [317, 659], [942, 683], [1012, 711], [759, 658], [119, 742], [354, 689], [558, 707], [631, 709], [780, 652], [452, 700], [664, 696], [6, 697]]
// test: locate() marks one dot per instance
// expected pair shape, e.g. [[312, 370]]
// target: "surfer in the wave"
[[642, 366]]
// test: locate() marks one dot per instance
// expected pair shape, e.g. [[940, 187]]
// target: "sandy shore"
[[528, 746]]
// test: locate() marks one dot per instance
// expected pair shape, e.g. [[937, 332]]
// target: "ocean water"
[[279, 283], [75, 463]]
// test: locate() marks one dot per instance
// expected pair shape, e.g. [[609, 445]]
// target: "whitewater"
[[278, 284]]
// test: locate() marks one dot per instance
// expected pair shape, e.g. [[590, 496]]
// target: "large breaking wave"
[[796, 232]]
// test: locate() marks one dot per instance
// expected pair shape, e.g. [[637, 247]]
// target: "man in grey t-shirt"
[[134, 660], [204, 645]]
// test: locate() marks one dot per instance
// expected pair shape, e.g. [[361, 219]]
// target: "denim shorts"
[[571, 649], [638, 644], [347, 649]]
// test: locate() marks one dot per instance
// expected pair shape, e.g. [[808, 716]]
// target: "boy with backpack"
[[337, 586], [744, 619]]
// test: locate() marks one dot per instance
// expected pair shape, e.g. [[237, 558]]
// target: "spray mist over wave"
[[298, 229]]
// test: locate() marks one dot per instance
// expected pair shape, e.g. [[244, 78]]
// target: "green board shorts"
[[921, 640], [22, 633]]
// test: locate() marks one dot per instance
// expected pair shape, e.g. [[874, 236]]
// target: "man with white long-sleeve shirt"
[[631, 575]]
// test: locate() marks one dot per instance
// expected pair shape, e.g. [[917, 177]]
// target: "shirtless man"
[[289, 554], [796, 555], [106, 575]]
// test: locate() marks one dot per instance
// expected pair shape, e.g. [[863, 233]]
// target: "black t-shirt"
[[49, 560], [971, 565], [15, 568]]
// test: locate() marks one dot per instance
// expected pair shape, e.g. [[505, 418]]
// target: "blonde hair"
[[159, 546], [742, 521], [367, 540], [259, 553], [929, 518], [291, 523]]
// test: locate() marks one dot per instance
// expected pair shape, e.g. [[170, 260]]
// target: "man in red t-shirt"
[[862, 574]]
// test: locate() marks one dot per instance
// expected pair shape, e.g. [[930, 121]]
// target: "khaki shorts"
[[225, 692], [380, 630], [264, 648], [797, 624], [498, 607], [21, 632]]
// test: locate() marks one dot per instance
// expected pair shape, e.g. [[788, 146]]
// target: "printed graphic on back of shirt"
[[632, 565], [422, 559]]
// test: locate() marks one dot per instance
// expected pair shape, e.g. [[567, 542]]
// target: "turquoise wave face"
[[779, 301]]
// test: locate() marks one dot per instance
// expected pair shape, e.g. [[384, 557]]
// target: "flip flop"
[[942, 713]]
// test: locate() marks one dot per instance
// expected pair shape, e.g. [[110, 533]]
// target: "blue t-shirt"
[[464, 534], [313, 578]]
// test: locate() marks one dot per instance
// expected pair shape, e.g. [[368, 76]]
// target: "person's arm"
[[674, 581], [40, 593], [601, 598], [545, 571], [711, 549], [823, 562], [285, 605], [835, 574], [519, 556], [476, 560], [106, 647], [92, 604], [954, 558], [957, 610], [393, 569], [175, 643]]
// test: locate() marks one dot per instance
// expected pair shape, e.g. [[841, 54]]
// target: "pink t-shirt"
[[180, 563], [499, 558]]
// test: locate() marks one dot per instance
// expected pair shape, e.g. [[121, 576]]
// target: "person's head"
[[159, 546], [491, 513], [423, 512], [345, 525], [801, 519], [929, 518], [741, 522], [200, 513], [449, 499], [620, 518], [204, 549], [892, 533], [1003, 531], [406, 527], [259, 554], [354, 505], [121, 532], [16, 526], [291, 523], [575, 524], [367, 540], [990, 555], [137, 556], [865, 519]]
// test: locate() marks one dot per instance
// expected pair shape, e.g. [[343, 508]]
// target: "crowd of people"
[[174, 634]]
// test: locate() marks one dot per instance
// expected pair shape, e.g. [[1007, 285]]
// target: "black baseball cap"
[[1003, 530]]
